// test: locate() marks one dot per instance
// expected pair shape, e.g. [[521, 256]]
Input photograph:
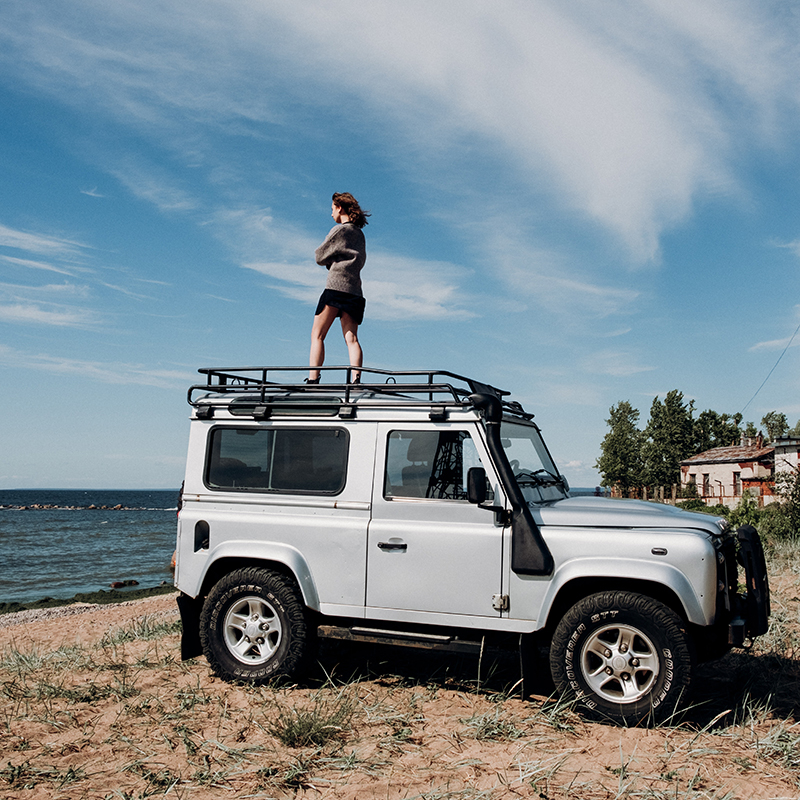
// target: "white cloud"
[[29, 264], [46, 290], [625, 112], [152, 184], [396, 287], [610, 124], [124, 290], [104, 372], [613, 334], [780, 344], [546, 278], [413, 289], [49, 304], [66, 304], [617, 363], [39, 243], [300, 276], [793, 246], [29, 313], [774, 344]]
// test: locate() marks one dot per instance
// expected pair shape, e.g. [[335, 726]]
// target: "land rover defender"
[[423, 508]]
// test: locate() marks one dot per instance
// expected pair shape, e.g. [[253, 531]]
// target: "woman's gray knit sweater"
[[344, 253]]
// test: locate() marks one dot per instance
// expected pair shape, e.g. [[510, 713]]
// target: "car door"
[[429, 549]]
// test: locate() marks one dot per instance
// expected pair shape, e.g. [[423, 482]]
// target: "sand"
[[95, 703]]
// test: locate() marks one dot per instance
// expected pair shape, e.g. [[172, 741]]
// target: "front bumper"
[[753, 607]]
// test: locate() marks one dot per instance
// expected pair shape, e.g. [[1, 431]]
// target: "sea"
[[83, 541], [56, 543]]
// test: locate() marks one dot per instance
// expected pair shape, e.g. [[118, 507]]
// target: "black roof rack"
[[276, 383]]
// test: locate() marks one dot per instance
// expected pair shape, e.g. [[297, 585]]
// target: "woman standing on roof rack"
[[344, 253]]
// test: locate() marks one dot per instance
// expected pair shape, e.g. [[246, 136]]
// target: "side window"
[[288, 460], [429, 464]]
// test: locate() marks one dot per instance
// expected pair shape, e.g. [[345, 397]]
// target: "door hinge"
[[500, 602]]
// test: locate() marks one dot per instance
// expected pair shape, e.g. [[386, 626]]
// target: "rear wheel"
[[253, 626], [623, 656]]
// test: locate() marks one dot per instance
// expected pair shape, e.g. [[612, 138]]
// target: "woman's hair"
[[350, 206]]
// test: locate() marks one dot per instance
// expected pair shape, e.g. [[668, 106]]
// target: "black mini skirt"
[[353, 304]]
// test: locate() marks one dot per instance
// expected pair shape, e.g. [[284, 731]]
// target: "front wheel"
[[622, 656], [253, 626]]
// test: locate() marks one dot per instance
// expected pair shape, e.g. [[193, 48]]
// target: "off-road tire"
[[253, 627], [622, 657]]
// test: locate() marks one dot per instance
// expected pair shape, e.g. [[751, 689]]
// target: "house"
[[723, 474], [787, 454]]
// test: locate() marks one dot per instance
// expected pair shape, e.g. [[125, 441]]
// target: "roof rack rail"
[[427, 387]]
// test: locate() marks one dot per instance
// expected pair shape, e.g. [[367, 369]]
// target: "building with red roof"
[[723, 474]]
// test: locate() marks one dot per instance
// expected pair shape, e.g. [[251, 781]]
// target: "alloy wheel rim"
[[620, 663], [252, 630]]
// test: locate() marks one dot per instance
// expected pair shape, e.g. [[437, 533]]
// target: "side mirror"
[[476, 485]]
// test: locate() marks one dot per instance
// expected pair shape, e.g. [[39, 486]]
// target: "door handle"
[[392, 545]]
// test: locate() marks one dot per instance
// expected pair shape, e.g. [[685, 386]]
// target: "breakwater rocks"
[[51, 507]]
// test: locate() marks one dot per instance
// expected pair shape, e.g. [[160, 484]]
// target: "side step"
[[426, 641]]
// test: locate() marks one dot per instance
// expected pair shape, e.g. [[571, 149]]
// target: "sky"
[[579, 202]]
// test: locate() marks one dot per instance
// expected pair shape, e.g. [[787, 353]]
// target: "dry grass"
[[108, 711]]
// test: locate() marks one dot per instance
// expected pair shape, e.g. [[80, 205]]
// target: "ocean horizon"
[[84, 540]]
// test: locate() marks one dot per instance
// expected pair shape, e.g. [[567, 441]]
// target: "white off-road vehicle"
[[423, 508]]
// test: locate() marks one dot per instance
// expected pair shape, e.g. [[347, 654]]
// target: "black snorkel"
[[529, 552]]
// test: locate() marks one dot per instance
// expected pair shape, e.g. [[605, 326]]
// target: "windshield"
[[531, 464]]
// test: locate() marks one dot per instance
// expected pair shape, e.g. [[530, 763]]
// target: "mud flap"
[[190, 623], [751, 557]]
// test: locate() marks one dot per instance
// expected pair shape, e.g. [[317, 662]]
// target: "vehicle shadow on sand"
[[736, 688]]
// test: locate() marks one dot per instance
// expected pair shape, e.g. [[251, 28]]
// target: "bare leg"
[[319, 330], [350, 331]]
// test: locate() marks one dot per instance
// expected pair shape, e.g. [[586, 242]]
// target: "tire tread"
[[256, 580], [636, 609]]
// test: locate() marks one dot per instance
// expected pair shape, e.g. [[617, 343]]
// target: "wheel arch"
[[284, 560], [254, 625], [576, 589]]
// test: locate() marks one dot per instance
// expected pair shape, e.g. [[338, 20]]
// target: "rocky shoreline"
[[91, 507], [116, 594]]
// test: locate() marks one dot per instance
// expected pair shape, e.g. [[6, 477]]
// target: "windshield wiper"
[[541, 477]]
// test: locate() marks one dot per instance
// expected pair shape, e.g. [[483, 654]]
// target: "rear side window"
[[286, 460]]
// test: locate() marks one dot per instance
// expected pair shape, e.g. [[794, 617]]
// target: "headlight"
[[723, 525]]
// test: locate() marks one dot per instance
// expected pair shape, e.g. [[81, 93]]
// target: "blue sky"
[[581, 202]]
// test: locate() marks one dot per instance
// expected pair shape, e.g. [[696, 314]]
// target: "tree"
[[775, 424], [787, 485], [620, 462], [711, 429], [794, 432], [750, 431], [668, 439]]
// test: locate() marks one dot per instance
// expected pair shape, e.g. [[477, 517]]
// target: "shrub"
[[775, 524], [746, 513], [696, 504], [328, 716], [693, 504]]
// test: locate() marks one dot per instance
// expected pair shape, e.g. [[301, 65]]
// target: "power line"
[[772, 370]]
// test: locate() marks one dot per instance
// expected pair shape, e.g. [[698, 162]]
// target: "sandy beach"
[[96, 704]]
